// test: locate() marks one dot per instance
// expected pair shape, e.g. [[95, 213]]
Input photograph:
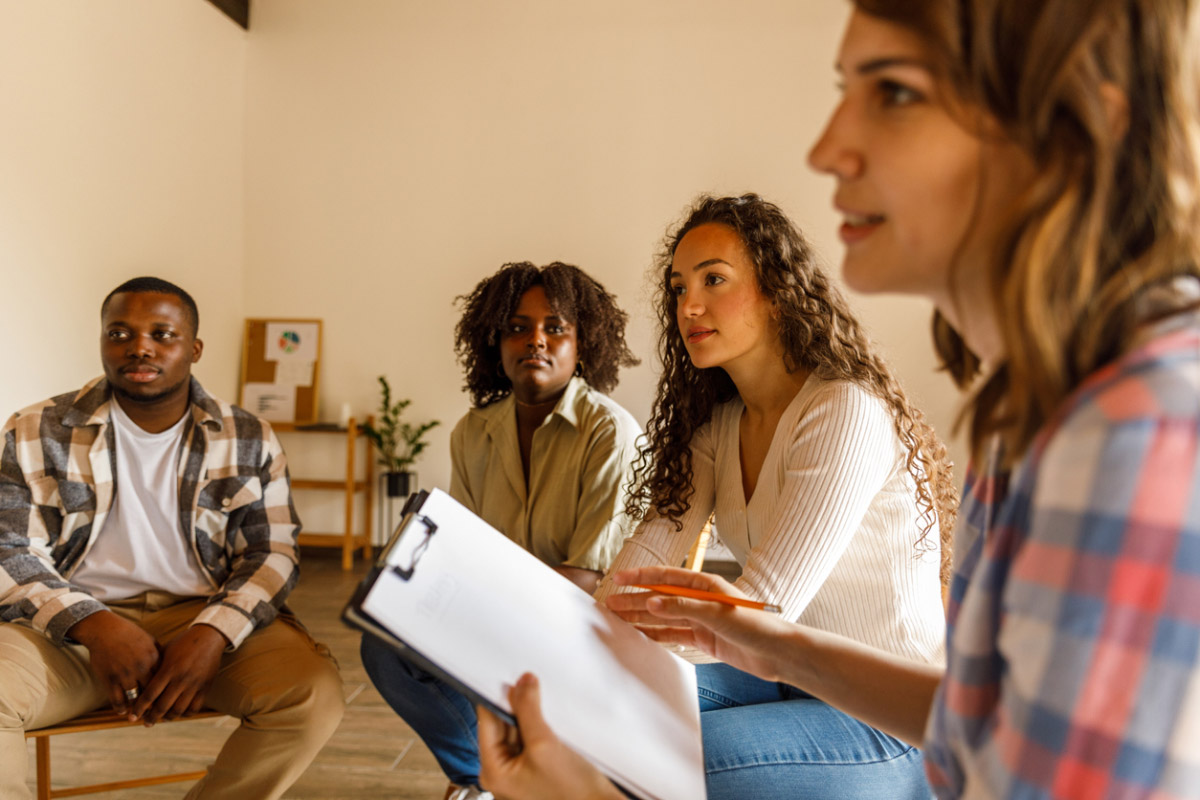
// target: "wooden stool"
[[99, 720]]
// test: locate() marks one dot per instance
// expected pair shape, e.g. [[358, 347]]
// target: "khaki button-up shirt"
[[572, 513]]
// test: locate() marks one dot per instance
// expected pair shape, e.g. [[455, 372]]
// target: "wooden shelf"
[[304, 483], [348, 540], [322, 539]]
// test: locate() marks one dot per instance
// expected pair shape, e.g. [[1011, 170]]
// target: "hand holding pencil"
[[703, 611], [701, 594]]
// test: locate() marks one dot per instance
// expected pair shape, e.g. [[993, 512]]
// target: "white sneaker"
[[470, 793]]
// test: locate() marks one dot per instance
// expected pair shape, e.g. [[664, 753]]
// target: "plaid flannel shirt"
[[1073, 664], [57, 484]]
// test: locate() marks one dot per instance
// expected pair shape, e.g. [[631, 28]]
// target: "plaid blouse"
[[1073, 664], [57, 484]]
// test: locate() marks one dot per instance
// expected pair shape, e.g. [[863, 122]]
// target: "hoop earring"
[[578, 369], [500, 370]]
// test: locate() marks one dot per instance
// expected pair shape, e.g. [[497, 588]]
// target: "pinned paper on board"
[[270, 401], [281, 366], [294, 373], [294, 342]]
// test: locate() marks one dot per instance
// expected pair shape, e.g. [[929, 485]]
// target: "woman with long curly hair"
[[1031, 168], [544, 456], [774, 411]]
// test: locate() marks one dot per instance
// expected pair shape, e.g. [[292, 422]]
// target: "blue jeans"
[[761, 740], [769, 740], [441, 716]]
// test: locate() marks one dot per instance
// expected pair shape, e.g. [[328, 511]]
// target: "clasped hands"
[[143, 679]]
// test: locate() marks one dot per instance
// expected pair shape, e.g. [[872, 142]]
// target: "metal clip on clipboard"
[[388, 564], [409, 517]]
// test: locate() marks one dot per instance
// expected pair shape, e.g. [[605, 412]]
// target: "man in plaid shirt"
[[147, 546]]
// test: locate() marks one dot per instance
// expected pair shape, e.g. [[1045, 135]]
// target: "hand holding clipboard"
[[448, 588]]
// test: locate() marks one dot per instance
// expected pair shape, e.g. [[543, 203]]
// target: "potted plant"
[[398, 443]]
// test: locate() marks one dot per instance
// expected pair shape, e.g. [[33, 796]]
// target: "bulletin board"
[[281, 360]]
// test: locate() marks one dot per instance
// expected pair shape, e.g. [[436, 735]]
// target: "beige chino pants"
[[283, 686]]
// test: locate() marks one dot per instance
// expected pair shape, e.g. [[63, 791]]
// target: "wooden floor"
[[373, 753]]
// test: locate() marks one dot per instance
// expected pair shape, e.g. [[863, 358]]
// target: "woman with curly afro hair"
[[544, 456]]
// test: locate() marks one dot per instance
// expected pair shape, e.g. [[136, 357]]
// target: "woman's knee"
[[376, 656], [767, 775], [385, 667]]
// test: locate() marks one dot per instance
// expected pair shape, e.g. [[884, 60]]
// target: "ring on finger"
[[131, 694]]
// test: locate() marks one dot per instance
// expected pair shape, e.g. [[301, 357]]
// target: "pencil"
[[700, 594]]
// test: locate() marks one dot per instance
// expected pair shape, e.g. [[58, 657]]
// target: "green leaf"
[[399, 443]]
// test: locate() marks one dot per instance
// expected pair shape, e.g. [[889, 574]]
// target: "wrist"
[[212, 634], [796, 658], [92, 627]]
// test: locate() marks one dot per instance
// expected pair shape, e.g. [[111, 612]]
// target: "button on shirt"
[[572, 513]]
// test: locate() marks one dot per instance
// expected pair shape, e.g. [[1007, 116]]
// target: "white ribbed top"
[[829, 534]]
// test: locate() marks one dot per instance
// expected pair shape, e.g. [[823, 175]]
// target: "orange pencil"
[[700, 594]]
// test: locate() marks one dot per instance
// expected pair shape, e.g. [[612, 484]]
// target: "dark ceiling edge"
[[236, 10]]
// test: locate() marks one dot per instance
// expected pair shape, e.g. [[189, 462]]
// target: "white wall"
[[365, 161], [397, 152], [121, 154]]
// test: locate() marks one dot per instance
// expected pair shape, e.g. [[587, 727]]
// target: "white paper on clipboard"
[[485, 610]]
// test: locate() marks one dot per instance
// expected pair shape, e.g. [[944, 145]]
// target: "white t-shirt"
[[141, 546]]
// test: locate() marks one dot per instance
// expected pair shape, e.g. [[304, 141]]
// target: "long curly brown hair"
[[818, 332], [572, 293]]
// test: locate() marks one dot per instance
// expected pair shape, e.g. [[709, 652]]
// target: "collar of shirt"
[[500, 413], [92, 406]]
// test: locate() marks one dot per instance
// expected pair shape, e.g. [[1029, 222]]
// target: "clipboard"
[[355, 617], [461, 601]]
